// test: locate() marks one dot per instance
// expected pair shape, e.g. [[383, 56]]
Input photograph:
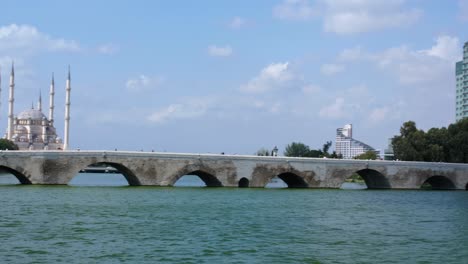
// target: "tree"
[[263, 152], [297, 149], [326, 147], [368, 155], [6, 144], [436, 145]]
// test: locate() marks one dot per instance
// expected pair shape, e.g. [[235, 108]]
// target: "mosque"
[[31, 129]]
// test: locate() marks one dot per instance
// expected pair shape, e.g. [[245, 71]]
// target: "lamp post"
[[274, 152]]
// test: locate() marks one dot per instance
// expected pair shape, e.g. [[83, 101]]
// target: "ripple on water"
[[204, 225]]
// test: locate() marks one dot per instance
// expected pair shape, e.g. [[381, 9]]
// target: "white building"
[[347, 146], [31, 129]]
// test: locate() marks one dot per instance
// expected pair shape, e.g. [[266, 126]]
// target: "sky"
[[234, 76]]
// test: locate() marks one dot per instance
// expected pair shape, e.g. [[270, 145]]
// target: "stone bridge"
[[164, 169]]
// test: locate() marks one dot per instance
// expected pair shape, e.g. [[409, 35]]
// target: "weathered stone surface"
[[164, 169]]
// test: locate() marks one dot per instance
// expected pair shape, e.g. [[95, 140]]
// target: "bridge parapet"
[[164, 169]]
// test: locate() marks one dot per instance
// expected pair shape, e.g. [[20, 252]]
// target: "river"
[[97, 219]]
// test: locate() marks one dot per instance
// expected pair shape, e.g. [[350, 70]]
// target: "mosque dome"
[[31, 114]]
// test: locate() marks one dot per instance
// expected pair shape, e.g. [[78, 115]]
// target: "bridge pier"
[[164, 169]]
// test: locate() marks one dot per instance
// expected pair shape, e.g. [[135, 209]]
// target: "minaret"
[[39, 103], [11, 101], [51, 99], [67, 112]]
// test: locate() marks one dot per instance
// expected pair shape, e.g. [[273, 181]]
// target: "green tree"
[[325, 148], [297, 149], [263, 152], [368, 155], [6, 144]]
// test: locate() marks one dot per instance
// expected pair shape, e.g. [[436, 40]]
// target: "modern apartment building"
[[347, 146], [461, 96]]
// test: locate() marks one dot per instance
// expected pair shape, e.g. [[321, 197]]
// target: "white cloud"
[[294, 10], [336, 110], [189, 110], [216, 51], [331, 69], [237, 22], [273, 76], [463, 10], [351, 54], [143, 83], [378, 115], [446, 47], [412, 66], [108, 49], [22, 39], [311, 89]]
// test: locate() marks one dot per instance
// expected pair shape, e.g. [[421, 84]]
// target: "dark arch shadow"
[[128, 174], [207, 178], [293, 180], [374, 179], [466, 187], [21, 177], [243, 183], [439, 183]]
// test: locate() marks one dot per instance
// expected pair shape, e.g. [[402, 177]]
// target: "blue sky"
[[234, 76]]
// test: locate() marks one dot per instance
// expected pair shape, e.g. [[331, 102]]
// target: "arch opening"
[[9, 176], [243, 183], [374, 179], [292, 180], [354, 182], [438, 183], [105, 174], [466, 187], [198, 178]]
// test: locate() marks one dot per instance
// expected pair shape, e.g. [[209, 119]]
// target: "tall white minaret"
[[51, 99], [11, 101], [67, 112], [39, 103]]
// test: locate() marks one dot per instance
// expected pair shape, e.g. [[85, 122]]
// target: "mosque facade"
[[31, 129]]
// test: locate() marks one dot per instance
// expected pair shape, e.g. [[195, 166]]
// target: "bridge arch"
[[126, 172], [206, 174], [374, 179], [439, 182], [293, 180], [243, 183], [22, 178], [466, 187]]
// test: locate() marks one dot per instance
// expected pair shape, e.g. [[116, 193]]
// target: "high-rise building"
[[347, 146], [461, 96]]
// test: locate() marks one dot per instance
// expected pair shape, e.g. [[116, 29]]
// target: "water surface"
[[109, 224]]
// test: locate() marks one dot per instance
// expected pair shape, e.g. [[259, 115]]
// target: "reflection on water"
[[353, 186], [276, 183], [98, 179], [190, 181], [8, 179]]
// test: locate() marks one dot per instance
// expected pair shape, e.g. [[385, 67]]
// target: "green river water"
[[115, 224]]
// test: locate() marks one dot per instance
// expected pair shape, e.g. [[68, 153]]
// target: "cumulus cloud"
[[412, 66], [336, 110], [143, 83], [446, 48], [463, 10], [107, 49], [273, 76], [348, 17], [28, 39], [216, 51], [294, 10], [237, 22], [188, 110], [311, 89], [379, 114], [331, 69]]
